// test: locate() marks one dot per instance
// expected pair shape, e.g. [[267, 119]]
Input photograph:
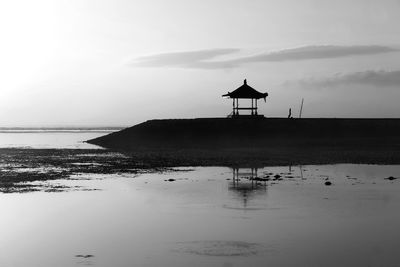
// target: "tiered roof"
[[246, 91]]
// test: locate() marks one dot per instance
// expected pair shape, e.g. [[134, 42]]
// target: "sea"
[[54, 137], [201, 216]]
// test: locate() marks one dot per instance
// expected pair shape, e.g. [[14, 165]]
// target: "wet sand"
[[27, 170], [19, 167]]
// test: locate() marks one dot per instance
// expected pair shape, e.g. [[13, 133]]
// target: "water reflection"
[[210, 216], [247, 184]]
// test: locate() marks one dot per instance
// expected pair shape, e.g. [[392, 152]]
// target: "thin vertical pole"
[[252, 176], [256, 107], [234, 178], [301, 172], [252, 109], [301, 107], [233, 104]]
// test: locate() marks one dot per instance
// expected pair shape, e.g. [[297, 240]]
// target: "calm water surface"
[[204, 218], [49, 138]]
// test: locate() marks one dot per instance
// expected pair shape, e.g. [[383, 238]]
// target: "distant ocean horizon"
[[65, 137], [62, 129]]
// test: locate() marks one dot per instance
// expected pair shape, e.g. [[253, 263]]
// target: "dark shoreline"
[[254, 134], [265, 141], [21, 168], [161, 145]]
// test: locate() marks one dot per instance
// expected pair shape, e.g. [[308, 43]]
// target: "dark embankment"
[[221, 141]]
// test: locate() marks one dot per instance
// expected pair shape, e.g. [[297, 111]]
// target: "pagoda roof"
[[246, 91]]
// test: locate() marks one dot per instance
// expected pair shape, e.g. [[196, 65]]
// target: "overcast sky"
[[117, 62]]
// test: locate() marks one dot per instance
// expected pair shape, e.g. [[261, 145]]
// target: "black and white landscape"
[[199, 133]]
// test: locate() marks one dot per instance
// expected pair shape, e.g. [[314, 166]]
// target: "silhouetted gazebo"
[[245, 92]]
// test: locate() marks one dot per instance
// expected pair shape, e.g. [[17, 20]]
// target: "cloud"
[[206, 59], [187, 59], [317, 52], [381, 79]]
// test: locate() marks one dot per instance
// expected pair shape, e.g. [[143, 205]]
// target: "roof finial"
[[245, 81]]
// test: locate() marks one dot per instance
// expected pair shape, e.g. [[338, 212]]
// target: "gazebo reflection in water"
[[246, 183]]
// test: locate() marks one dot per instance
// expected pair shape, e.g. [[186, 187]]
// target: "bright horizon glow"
[[71, 63]]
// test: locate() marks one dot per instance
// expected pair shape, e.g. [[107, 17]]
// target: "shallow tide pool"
[[210, 216]]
